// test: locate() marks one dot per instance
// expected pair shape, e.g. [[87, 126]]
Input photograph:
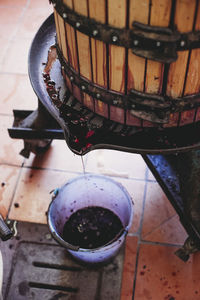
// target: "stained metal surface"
[[85, 131], [44, 39]]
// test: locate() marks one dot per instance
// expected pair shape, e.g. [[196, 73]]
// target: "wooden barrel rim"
[[153, 42]]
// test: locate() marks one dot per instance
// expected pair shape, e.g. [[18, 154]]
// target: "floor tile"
[[40, 4], [150, 175], [9, 18], [8, 180], [160, 223], [58, 157], [12, 3], [33, 19], [135, 189], [32, 196], [162, 275], [129, 268], [16, 59], [116, 163], [170, 231], [16, 93], [10, 148], [4, 42]]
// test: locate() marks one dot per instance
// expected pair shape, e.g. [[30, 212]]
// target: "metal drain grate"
[[48, 272]]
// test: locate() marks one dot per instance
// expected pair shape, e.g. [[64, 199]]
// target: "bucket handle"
[[120, 233], [63, 243]]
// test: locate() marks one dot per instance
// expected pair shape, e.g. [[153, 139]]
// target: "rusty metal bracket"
[[152, 42], [156, 43], [37, 129]]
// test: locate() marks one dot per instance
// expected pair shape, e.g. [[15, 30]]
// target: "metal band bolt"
[[158, 44], [64, 15], [115, 38], [182, 43], [98, 96], [135, 42], [95, 32]]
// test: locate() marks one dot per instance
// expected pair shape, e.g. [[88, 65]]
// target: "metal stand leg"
[[37, 129], [179, 176]]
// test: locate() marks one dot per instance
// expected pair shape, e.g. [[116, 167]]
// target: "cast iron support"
[[37, 129], [179, 176]]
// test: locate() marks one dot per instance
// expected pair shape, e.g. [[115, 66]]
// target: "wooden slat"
[[160, 16], [192, 84], [84, 53], [62, 42], [193, 76], [57, 29], [138, 11], [117, 55], [187, 117], [197, 115], [97, 11], [80, 6], [68, 3], [71, 49], [117, 17], [184, 17], [173, 120], [197, 27], [61, 25], [68, 82], [71, 42]]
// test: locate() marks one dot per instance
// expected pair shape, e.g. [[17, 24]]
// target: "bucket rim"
[[122, 234]]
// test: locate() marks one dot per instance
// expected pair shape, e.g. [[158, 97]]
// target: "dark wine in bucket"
[[92, 227]]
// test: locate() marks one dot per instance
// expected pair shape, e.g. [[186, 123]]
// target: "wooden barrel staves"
[[136, 62]]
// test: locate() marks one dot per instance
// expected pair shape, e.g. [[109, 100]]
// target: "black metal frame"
[[172, 174]]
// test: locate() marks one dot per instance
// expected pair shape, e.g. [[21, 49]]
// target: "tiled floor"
[[151, 270]]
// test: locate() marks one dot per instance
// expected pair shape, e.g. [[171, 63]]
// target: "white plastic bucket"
[[86, 191]]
